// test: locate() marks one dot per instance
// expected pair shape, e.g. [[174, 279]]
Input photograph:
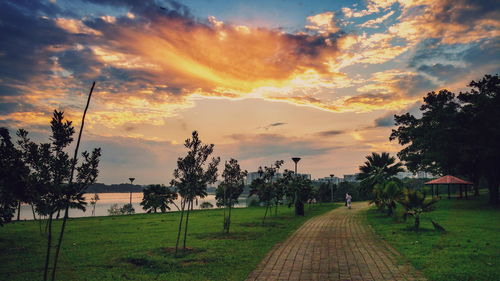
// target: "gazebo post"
[[437, 191], [460, 196], [449, 195], [466, 187]]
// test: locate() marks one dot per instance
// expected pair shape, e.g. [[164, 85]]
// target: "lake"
[[108, 199]]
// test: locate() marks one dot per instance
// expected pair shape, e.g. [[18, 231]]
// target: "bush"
[[254, 202], [206, 205], [127, 209], [114, 210]]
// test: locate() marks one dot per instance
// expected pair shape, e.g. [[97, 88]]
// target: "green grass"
[[139, 247], [469, 250]]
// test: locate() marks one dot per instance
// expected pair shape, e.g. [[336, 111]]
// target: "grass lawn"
[[139, 247], [469, 250]]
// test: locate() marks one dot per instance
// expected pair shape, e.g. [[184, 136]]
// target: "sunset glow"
[[165, 68]]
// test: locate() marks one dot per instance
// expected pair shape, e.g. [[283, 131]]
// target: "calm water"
[[108, 199]]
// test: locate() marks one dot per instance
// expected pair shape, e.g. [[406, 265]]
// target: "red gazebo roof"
[[448, 180]]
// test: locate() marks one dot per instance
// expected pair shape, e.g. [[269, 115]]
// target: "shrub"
[[206, 205]]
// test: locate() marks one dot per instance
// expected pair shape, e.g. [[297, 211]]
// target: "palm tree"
[[378, 169], [415, 204], [156, 196]]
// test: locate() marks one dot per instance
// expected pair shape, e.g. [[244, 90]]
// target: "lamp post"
[[299, 207], [331, 187], [131, 182]]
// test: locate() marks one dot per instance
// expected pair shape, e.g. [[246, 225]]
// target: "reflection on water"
[[108, 199]]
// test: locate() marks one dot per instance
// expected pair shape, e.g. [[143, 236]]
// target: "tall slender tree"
[[191, 177], [230, 189]]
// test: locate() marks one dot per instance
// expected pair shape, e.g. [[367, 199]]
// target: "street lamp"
[[299, 209], [296, 160], [131, 182], [331, 186]]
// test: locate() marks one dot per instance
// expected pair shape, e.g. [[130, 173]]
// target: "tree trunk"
[[59, 243], [265, 214], [190, 203], [19, 210], [49, 247], [299, 208], [228, 220], [33, 210], [417, 222], [183, 204], [494, 194]]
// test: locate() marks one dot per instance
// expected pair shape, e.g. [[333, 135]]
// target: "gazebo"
[[449, 180]]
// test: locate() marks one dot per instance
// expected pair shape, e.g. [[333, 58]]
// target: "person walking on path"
[[348, 199]]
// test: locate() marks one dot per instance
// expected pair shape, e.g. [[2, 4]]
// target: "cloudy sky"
[[262, 80]]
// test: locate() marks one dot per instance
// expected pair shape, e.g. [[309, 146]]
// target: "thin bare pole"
[[70, 182]]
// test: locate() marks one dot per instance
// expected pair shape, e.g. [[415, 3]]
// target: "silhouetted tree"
[[230, 189], [377, 169], [156, 196], [415, 204], [191, 177], [456, 135], [50, 173], [13, 178], [265, 187]]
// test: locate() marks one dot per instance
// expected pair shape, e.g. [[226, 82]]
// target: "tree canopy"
[[456, 134]]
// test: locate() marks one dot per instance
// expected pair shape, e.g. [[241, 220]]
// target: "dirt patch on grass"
[[196, 262], [170, 251], [242, 236], [265, 224]]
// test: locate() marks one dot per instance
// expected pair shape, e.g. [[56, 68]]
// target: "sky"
[[262, 80]]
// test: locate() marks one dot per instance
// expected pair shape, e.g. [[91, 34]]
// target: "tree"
[[387, 195], [265, 187], [298, 192], [93, 202], [481, 126], [13, 178], [324, 193], [191, 177], [51, 172], [156, 196], [415, 204], [230, 189], [377, 169], [456, 135]]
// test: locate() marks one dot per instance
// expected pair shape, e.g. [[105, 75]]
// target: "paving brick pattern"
[[335, 246]]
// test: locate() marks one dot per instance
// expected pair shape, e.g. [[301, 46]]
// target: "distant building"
[[402, 175], [425, 175], [351, 178], [335, 180], [418, 175], [251, 176]]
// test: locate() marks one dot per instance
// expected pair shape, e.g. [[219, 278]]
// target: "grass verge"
[[140, 247], [468, 250]]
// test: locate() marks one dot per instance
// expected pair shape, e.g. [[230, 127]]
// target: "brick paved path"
[[334, 246]]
